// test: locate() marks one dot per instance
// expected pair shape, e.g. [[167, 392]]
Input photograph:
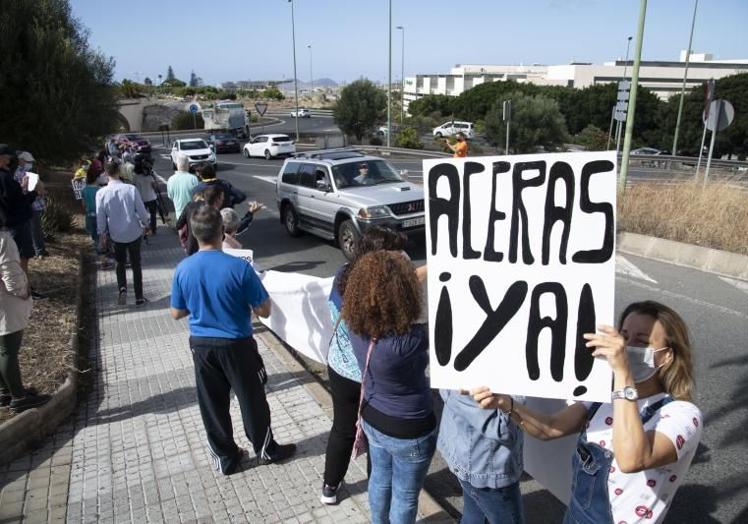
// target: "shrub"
[[593, 138], [57, 217], [183, 120], [375, 140], [408, 138]]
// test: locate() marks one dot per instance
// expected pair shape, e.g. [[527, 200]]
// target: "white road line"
[[250, 164], [624, 267], [742, 285], [266, 178]]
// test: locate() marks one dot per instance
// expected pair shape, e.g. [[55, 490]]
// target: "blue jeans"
[[492, 505], [398, 470]]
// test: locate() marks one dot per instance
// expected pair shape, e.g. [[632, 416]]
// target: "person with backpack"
[[634, 452], [231, 195]]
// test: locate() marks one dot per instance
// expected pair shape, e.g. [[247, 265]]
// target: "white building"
[[664, 78]]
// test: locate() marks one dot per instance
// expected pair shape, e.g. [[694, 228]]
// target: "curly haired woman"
[[380, 305]]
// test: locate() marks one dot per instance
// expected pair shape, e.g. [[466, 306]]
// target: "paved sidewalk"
[[135, 450]]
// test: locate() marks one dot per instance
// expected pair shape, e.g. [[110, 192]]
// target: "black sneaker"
[[122, 298], [5, 399], [329, 494], [18, 405], [282, 452], [38, 296], [140, 301]]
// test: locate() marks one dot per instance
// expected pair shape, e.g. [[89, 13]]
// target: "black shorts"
[[22, 235]]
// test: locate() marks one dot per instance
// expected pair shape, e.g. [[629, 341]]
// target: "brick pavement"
[[134, 450]]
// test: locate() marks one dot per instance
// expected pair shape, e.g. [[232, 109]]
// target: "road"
[[716, 310]]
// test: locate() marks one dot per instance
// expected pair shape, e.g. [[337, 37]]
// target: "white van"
[[453, 127]]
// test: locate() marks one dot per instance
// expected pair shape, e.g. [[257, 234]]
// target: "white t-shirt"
[[645, 496]]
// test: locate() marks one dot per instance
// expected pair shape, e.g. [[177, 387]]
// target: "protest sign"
[[245, 254], [521, 264]]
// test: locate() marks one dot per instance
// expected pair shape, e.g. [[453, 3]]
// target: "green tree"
[[593, 138], [536, 122], [148, 81], [429, 104], [408, 138], [360, 106], [170, 74], [195, 81], [58, 95], [273, 93]]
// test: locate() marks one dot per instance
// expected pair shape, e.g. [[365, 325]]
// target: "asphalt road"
[[716, 310]]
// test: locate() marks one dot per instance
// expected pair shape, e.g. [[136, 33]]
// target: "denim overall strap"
[[590, 501]]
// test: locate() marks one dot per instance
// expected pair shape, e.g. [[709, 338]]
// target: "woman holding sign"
[[380, 305], [633, 453]]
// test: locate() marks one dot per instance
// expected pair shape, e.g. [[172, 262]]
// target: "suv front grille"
[[407, 208]]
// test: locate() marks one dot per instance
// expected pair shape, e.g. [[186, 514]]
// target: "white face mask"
[[641, 361]]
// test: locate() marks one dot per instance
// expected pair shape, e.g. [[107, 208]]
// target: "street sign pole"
[[714, 139], [701, 153], [610, 129], [632, 98], [389, 76], [674, 151], [507, 114], [295, 76]]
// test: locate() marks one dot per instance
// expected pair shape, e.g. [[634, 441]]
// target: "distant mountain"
[[318, 82]]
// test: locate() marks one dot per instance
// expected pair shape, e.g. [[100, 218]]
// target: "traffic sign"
[[623, 96], [193, 107], [720, 115], [622, 106], [624, 85], [620, 116], [261, 107]]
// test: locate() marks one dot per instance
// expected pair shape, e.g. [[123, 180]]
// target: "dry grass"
[[715, 216]]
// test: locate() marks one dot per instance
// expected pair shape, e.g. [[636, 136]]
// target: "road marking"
[[742, 285], [265, 178], [249, 164], [624, 267]]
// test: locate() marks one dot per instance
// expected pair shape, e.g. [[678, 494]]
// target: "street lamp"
[[295, 79], [389, 75], [311, 73], [683, 87], [402, 78]]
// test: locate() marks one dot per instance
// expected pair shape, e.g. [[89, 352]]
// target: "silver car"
[[338, 194]]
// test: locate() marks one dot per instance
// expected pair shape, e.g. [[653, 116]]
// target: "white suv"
[[303, 113], [453, 127], [196, 149], [269, 146], [338, 194]]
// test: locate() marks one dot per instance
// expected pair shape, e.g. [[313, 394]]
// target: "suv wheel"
[[439, 134], [268, 156], [347, 239], [291, 220], [245, 152]]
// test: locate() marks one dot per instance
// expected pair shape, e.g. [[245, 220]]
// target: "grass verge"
[[715, 216]]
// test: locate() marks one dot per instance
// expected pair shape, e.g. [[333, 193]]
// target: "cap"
[[5, 149], [26, 156]]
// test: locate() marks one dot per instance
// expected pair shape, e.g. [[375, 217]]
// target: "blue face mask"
[[641, 361]]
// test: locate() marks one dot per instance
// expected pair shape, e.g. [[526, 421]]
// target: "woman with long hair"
[[632, 453], [381, 304], [342, 368]]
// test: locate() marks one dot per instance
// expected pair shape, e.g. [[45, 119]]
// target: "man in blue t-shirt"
[[219, 293]]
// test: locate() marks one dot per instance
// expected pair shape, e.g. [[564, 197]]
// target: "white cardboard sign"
[[521, 256], [245, 254]]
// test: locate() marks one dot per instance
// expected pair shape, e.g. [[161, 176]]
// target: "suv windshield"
[[193, 144], [364, 173]]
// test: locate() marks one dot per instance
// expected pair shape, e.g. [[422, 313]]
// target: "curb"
[[428, 508], [705, 259], [27, 429]]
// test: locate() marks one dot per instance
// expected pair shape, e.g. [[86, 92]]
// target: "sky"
[[251, 39]]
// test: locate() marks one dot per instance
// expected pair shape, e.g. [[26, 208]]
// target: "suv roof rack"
[[331, 154]]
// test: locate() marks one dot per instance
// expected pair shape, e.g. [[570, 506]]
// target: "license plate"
[[413, 222]]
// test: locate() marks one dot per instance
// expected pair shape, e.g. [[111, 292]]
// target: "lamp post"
[[311, 71], [389, 74], [674, 151], [295, 78], [632, 101], [402, 78]]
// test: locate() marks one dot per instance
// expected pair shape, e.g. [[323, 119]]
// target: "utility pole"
[[674, 151], [295, 76], [389, 76], [632, 101], [311, 71], [402, 78]]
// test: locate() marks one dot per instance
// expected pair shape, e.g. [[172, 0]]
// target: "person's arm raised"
[[541, 426]]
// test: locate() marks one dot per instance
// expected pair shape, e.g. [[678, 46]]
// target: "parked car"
[[196, 149], [224, 143], [647, 151], [303, 113], [331, 195], [138, 143], [453, 127], [269, 146]]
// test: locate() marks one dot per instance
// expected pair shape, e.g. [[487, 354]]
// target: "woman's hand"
[[254, 207], [608, 342], [489, 400]]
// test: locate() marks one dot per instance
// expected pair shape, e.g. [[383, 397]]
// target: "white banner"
[[300, 315], [521, 264]]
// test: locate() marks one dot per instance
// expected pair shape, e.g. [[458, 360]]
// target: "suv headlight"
[[373, 212]]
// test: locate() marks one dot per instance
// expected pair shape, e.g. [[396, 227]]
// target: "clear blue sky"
[[251, 39]]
